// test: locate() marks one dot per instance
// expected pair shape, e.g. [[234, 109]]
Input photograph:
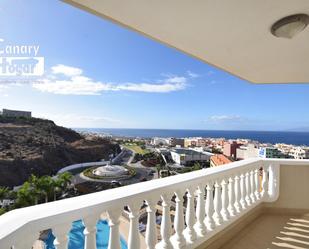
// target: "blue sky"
[[98, 74]]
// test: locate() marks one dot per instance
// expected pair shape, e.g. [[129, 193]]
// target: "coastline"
[[288, 137]]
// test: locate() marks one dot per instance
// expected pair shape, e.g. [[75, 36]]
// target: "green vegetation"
[[88, 173], [195, 167], [35, 190], [136, 147]]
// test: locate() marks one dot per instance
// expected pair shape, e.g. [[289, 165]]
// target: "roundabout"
[[109, 173]]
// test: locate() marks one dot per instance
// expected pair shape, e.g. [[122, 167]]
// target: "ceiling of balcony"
[[233, 35]]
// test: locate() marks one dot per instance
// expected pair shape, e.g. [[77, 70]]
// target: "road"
[[124, 158]]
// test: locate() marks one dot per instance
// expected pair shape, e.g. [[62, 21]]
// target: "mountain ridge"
[[38, 146]]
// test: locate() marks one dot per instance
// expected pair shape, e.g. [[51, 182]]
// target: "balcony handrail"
[[44, 216]]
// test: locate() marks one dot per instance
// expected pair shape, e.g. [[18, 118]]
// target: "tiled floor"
[[271, 231]]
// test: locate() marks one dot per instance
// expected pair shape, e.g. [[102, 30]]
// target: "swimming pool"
[[77, 238]]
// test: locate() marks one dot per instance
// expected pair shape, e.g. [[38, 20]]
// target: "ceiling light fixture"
[[290, 26]]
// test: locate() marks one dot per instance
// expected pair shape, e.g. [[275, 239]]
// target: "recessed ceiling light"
[[290, 26]]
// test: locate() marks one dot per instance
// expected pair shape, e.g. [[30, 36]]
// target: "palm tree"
[[58, 186], [25, 196], [66, 178], [35, 187], [46, 185]]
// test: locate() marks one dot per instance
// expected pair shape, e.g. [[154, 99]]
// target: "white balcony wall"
[[215, 198]]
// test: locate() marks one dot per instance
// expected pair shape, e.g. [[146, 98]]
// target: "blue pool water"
[[77, 238]]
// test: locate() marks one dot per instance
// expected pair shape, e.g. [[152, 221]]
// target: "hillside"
[[36, 146]]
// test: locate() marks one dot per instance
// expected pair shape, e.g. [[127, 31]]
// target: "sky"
[[101, 75]]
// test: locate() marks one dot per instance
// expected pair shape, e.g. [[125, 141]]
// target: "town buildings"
[[185, 156], [247, 151], [271, 152], [159, 141], [177, 142], [229, 149], [219, 159]]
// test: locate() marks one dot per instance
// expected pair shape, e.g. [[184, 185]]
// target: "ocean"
[[288, 137]]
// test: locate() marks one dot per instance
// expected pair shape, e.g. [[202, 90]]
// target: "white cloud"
[[225, 118], [66, 70], [193, 75], [78, 84], [76, 120]]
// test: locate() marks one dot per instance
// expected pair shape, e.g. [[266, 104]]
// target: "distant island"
[[40, 147]]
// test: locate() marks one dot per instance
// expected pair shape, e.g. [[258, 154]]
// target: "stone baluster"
[[252, 186], [231, 191], [199, 226], [273, 181], [165, 223], [209, 208], [61, 235], [248, 188], [178, 239], [189, 232], [133, 240], [257, 183], [217, 201], [114, 236], [224, 196], [151, 229], [237, 194], [90, 230], [243, 191], [264, 182]]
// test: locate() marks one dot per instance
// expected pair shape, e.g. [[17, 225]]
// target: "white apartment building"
[[247, 151], [183, 156], [298, 153], [160, 141]]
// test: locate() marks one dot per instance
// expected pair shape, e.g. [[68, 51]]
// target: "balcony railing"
[[214, 198]]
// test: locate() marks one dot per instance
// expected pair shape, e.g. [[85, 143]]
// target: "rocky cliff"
[[36, 146]]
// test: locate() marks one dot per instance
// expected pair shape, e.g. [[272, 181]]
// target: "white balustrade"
[[165, 223], [217, 202], [224, 196], [151, 230], [231, 191], [134, 241], [90, 230], [209, 208], [248, 188], [252, 186], [273, 181], [189, 232], [257, 183], [264, 182], [199, 226], [243, 191], [237, 204], [114, 235], [178, 238]]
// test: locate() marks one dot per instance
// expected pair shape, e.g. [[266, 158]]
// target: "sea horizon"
[[273, 137]]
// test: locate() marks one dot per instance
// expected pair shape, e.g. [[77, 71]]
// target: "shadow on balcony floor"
[[271, 231]]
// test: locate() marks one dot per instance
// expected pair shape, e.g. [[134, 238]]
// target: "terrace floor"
[[273, 231]]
